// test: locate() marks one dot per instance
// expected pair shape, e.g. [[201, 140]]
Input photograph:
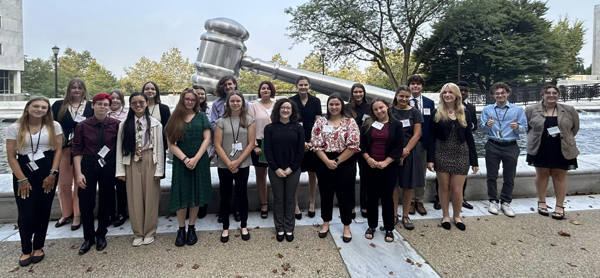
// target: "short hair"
[[220, 91], [549, 86], [302, 77], [462, 84], [499, 85], [294, 117], [102, 96], [416, 79], [271, 87]]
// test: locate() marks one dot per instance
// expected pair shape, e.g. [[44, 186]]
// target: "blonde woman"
[[451, 150], [33, 148]]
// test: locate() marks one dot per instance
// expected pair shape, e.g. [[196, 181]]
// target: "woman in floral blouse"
[[335, 139]]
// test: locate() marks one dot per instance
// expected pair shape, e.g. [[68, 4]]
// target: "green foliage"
[[38, 77]]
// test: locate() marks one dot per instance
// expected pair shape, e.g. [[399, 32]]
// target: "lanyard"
[[235, 137], [504, 117], [37, 147], [553, 111]]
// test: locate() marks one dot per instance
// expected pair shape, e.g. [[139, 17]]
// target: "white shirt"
[[419, 99], [13, 130]]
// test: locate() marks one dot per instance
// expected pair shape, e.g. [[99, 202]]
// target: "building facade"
[[596, 58], [12, 56]]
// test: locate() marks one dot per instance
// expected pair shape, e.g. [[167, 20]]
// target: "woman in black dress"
[[358, 108]]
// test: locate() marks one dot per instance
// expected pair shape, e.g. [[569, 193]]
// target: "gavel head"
[[220, 53]]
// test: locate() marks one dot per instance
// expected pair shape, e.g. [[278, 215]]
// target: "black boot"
[[191, 236], [181, 239]]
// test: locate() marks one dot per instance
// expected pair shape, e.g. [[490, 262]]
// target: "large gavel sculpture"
[[222, 52]]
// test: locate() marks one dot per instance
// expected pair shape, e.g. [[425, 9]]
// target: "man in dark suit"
[[426, 106], [464, 90]]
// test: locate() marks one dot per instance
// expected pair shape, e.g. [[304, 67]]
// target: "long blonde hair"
[[69, 98], [47, 121], [443, 113]]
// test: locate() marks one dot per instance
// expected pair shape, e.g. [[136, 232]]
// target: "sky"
[[119, 33]]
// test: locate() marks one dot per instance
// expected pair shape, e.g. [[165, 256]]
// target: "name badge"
[[553, 131], [328, 128], [377, 125], [236, 146], [79, 118], [233, 153], [35, 157], [71, 135], [405, 123], [365, 116], [426, 111], [32, 166], [103, 152], [301, 123], [101, 162]]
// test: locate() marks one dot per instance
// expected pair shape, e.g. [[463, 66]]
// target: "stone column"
[[596, 58], [17, 81]]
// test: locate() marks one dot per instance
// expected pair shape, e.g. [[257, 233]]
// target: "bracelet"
[[22, 180], [367, 159], [24, 184], [184, 158]]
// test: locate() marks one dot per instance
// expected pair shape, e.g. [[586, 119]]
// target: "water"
[[587, 138]]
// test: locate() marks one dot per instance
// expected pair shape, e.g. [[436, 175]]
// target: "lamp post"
[[322, 50], [544, 62], [459, 52], [55, 50]]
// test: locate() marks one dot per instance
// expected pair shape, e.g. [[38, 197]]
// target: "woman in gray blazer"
[[551, 146]]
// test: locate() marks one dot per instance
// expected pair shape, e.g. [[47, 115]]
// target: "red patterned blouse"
[[335, 139]]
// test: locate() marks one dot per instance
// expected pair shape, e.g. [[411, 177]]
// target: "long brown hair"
[[243, 111], [352, 101], [47, 121], [442, 112], [176, 123], [369, 122], [68, 100]]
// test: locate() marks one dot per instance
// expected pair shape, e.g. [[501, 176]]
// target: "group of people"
[[100, 145]]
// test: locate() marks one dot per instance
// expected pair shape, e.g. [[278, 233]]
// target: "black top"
[[441, 131], [473, 112], [394, 144], [165, 113], [67, 123], [361, 110], [414, 116], [284, 145], [308, 113]]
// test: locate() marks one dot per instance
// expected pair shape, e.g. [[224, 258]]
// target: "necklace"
[[451, 111]]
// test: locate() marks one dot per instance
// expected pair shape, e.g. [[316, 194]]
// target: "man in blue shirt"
[[502, 122]]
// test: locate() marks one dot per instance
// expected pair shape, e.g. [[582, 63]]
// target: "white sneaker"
[[137, 241], [507, 210], [493, 208], [148, 240]]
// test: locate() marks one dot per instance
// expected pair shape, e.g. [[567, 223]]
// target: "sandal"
[[407, 225], [559, 215], [264, 213], [389, 234], [543, 211], [370, 231]]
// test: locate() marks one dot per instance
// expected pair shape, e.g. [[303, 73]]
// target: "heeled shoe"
[[76, 227], [37, 259], [264, 214], [60, 224], [311, 214], [298, 215], [558, 215], [324, 234], [289, 237], [446, 225]]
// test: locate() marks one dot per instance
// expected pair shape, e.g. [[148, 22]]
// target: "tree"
[[38, 77], [364, 29], [72, 64], [313, 63], [570, 37], [98, 79], [375, 77]]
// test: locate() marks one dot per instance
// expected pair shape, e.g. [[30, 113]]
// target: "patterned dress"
[[452, 156], [192, 188]]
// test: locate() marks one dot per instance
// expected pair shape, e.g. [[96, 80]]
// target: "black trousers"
[[103, 177], [363, 181], [338, 182], [121, 191], [381, 187], [34, 211], [508, 154], [226, 180]]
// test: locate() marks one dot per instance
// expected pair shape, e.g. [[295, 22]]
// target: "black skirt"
[[549, 154]]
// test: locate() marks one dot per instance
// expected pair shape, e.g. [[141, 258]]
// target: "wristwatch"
[[336, 160], [54, 172]]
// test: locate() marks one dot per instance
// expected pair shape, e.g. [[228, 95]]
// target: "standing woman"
[[162, 114], [284, 149], [310, 110], [410, 174], [203, 107], [336, 139], [188, 137], [261, 112], [551, 146], [73, 109], [33, 148], [117, 111], [451, 150], [381, 144], [234, 141], [140, 164], [358, 108]]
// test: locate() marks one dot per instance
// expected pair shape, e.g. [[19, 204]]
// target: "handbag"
[[262, 158]]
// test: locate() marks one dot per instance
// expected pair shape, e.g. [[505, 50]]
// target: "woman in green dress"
[[188, 138]]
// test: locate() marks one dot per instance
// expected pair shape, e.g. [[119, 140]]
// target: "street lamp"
[[322, 50], [544, 62], [55, 50], [459, 52]]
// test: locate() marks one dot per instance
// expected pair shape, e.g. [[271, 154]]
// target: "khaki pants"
[[143, 196], [420, 191]]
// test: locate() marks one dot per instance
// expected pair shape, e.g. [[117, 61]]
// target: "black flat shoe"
[[85, 247], [60, 224], [370, 231], [446, 225], [280, 237], [311, 214], [437, 205], [101, 244], [364, 214], [299, 216], [180, 240], [467, 205], [346, 239], [202, 211], [37, 259], [75, 227], [264, 214], [191, 236], [389, 234], [289, 238], [323, 235], [460, 225], [120, 220], [246, 237], [224, 239], [25, 262], [237, 217]]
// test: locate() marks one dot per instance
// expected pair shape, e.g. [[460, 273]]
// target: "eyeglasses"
[[551, 93], [136, 103], [285, 108], [189, 100]]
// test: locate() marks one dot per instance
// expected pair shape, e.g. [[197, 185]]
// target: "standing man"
[[464, 90], [94, 160], [426, 106], [503, 122]]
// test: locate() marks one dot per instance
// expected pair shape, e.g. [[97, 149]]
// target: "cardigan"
[[157, 150], [441, 131], [394, 144], [568, 124]]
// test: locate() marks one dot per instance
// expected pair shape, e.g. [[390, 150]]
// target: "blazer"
[[568, 124], [157, 150], [394, 144], [67, 123], [427, 103], [441, 131], [471, 108]]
